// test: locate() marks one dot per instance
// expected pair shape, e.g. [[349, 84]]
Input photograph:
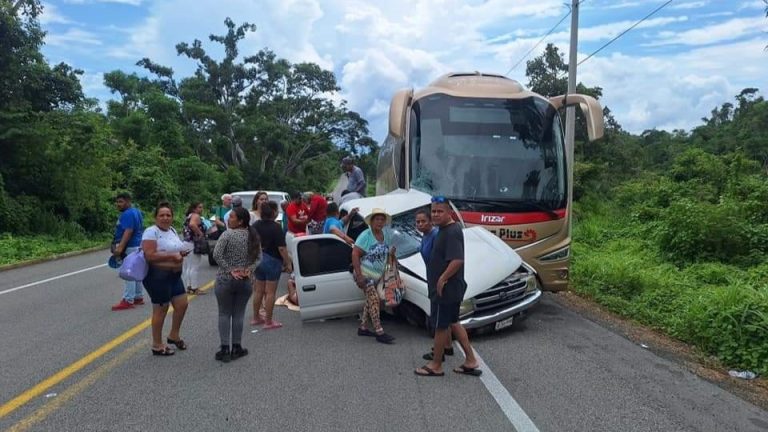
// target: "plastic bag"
[[134, 267]]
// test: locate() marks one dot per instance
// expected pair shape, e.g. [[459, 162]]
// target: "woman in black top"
[[274, 260]]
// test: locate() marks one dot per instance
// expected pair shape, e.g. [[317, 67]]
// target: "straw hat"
[[378, 211]]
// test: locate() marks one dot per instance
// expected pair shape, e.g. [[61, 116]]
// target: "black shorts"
[[442, 315], [163, 285]]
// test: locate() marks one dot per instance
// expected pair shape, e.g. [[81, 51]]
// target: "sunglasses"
[[439, 199]]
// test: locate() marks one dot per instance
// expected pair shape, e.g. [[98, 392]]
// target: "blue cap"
[[113, 262]]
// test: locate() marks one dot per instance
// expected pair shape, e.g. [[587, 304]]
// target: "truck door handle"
[[306, 288]]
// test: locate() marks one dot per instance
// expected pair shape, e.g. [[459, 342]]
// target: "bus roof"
[[476, 84]]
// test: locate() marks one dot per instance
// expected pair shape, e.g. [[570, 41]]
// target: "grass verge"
[[16, 249], [720, 309]]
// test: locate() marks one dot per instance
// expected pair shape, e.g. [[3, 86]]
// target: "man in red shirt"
[[317, 211], [298, 214]]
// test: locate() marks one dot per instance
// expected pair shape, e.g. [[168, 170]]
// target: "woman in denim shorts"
[[274, 260]]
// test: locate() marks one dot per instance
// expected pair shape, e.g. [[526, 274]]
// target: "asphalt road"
[[556, 371]]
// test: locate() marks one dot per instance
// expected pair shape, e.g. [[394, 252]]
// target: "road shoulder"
[[700, 364]]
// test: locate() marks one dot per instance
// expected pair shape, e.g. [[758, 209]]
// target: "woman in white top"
[[165, 252], [258, 199]]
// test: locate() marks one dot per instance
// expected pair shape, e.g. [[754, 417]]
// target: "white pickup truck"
[[501, 288]]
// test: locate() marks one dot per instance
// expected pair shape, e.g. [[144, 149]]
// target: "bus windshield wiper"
[[511, 202]]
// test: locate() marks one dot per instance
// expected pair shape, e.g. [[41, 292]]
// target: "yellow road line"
[[75, 389], [65, 373]]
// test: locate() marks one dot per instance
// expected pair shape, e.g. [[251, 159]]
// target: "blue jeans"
[[131, 289]]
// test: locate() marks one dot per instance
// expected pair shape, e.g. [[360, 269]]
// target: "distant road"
[[71, 364]]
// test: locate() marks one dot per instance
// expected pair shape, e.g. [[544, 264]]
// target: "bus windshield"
[[488, 154]]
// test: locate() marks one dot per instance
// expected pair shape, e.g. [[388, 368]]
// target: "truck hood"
[[395, 202], [487, 261]]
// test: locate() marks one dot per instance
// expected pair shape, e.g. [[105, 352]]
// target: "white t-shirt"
[[167, 241]]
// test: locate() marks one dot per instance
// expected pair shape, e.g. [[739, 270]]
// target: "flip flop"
[[166, 351], [430, 372], [464, 370], [179, 343]]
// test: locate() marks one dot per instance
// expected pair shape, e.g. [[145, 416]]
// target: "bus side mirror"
[[397, 112], [591, 109]]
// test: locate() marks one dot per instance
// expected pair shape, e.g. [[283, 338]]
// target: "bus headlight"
[[531, 284], [557, 255], [466, 307]]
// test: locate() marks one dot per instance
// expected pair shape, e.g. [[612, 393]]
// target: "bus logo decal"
[[495, 219]]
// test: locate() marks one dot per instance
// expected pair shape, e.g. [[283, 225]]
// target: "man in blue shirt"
[[128, 232], [334, 225]]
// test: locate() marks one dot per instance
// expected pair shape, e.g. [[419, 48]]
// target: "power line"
[[541, 40], [625, 31]]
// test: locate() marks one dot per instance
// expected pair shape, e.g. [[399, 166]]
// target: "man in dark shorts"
[[445, 281]]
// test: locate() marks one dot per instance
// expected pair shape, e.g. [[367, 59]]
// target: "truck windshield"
[[501, 152]]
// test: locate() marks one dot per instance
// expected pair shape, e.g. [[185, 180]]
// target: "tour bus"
[[497, 151]]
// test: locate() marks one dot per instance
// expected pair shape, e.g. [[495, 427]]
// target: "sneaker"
[[123, 305], [137, 301], [272, 325]]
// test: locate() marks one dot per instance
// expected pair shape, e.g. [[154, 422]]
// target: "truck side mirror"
[[591, 109], [397, 112]]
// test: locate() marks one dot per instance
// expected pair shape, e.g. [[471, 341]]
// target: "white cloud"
[[128, 2], [753, 4], [376, 48], [674, 92], [52, 15], [720, 32], [623, 5], [689, 5], [73, 36]]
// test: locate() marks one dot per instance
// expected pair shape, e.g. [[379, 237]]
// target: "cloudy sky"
[[667, 73]]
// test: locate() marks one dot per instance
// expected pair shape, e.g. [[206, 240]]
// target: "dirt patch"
[[707, 367]]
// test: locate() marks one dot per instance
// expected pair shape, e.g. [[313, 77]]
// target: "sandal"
[[429, 372], [179, 343], [466, 370], [165, 351]]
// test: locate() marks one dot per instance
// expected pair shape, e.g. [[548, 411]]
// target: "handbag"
[[201, 246], [392, 289], [134, 267]]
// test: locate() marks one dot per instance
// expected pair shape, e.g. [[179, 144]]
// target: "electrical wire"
[[539, 42], [625, 31]]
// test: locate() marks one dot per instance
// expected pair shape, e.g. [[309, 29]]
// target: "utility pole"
[[570, 111]]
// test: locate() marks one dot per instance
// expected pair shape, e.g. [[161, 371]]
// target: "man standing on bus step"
[[446, 285], [355, 177], [128, 232]]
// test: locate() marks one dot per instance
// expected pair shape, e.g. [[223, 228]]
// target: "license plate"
[[505, 323]]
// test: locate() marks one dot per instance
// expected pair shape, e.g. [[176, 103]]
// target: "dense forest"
[[671, 227]]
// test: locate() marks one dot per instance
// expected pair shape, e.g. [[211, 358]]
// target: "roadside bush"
[[692, 231], [732, 323], [721, 308]]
